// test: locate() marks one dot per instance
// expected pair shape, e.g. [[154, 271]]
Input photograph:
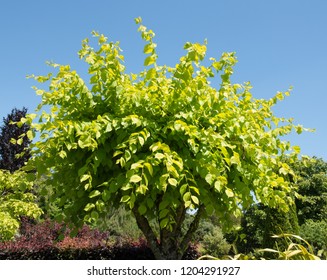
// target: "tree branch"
[[193, 227], [180, 217], [145, 227]]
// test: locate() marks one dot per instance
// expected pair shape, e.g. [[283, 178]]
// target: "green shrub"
[[315, 232], [121, 225], [214, 243]]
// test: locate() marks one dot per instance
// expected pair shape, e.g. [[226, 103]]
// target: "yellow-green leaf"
[[149, 167], [229, 192], [94, 193], [125, 198], [138, 20], [195, 199], [30, 135], [187, 197], [149, 48], [150, 60], [172, 181], [84, 177], [89, 207], [218, 186], [135, 179], [297, 149]]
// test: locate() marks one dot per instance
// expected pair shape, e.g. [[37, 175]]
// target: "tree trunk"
[[151, 238], [172, 245], [193, 227]]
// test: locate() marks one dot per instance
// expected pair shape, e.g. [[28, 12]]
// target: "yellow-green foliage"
[[16, 200]]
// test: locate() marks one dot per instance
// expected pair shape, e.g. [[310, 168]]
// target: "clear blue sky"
[[278, 43]]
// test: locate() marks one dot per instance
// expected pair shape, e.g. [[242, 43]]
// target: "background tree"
[[312, 202], [9, 150], [312, 183], [278, 223], [259, 223], [161, 142], [315, 232], [252, 230]]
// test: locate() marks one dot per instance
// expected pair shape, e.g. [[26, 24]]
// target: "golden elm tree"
[[161, 142]]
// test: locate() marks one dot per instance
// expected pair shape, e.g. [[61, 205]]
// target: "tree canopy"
[[161, 142]]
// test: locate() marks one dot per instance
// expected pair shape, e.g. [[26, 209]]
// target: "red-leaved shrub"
[[40, 241]]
